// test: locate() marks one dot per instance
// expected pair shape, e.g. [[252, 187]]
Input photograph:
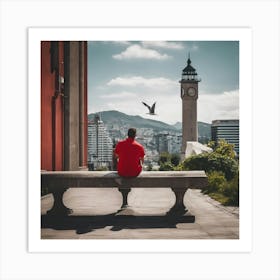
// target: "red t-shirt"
[[129, 152]]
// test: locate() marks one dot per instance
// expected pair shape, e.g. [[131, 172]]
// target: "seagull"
[[151, 109]]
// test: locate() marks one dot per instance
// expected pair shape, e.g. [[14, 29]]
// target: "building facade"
[[100, 145], [227, 130], [63, 105]]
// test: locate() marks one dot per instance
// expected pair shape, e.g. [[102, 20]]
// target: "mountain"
[[204, 129], [120, 119], [178, 125]]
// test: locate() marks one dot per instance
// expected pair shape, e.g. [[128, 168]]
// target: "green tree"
[[166, 166], [164, 157], [223, 148], [231, 191], [175, 159], [216, 182], [210, 162]]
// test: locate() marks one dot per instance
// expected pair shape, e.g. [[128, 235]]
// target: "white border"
[[243, 35]]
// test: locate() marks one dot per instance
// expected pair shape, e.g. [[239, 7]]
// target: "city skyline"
[[122, 74]]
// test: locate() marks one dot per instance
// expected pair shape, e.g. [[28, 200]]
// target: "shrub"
[[216, 182], [166, 166], [211, 162], [102, 168], [164, 157], [231, 190], [223, 148], [175, 159]]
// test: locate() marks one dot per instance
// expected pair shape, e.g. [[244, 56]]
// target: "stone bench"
[[57, 182]]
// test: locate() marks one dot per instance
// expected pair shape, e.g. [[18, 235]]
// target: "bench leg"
[[59, 209], [179, 208], [124, 193]]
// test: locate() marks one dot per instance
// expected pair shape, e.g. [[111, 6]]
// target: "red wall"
[[51, 111]]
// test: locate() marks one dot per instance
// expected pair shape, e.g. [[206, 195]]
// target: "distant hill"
[[116, 117], [204, 129], [178, 125], [119, 118]]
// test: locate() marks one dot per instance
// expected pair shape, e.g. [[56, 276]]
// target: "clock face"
[[191, 92]]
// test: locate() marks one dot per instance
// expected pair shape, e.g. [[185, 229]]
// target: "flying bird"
[[151, 108]]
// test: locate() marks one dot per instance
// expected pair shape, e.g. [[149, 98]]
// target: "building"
[[63, 105], [168, 142], [162, 142], [189, 95], [100, 145], [227, 130]]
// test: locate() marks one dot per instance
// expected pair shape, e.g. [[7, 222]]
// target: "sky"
[[123, 74]]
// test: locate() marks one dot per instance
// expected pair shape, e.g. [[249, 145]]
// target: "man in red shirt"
[[130, 155]]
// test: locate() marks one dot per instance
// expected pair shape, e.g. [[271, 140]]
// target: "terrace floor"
[[96, 215]]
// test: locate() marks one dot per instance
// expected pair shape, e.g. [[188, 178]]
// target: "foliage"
[[227, 192], [216, 182], [175, 159], [166, 166], [223, 148], [231, 190], [168, 162], [102, 168], [164, 157], [221, 167], [211, 162], [149, 167]]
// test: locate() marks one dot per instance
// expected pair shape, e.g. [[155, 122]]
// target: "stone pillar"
[[82, 125], [71, 106]]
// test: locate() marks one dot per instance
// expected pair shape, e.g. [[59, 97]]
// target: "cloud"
[[139, 52], [163, 44], [218, 106], [137, 81], [121, 43], [168, 109], [119, 95]]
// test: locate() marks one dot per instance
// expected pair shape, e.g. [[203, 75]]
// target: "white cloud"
[[168, 109], [121, 43], [136, 81], [163, 44], [218, 106], [119, 95], [166, 94], [139, 52]]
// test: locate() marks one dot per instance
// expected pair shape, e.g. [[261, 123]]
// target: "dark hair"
[[131, 132]]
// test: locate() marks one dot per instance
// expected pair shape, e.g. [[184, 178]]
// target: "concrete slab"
[[96, 215]]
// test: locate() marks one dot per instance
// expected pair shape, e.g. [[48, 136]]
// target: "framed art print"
[[93, 85]]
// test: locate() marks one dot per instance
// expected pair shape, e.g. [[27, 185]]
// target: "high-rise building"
[[161, 141], [100, 145], [227, 130], [167, 142]]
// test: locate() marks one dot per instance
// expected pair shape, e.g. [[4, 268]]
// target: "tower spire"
[[189, 59]]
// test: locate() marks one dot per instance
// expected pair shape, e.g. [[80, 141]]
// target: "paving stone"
[[96, 215]]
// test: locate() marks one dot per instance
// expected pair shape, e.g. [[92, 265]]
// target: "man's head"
[[131, 132]]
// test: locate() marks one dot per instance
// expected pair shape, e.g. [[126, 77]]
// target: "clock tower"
[[189, 95]]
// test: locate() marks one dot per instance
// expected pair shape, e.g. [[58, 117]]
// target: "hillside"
[[121, 119], [115, 117]]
